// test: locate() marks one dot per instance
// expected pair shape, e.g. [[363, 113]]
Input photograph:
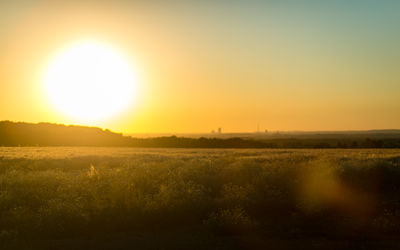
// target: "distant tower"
[[219, 130]]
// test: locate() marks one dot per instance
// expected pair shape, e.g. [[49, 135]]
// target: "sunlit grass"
[[70, 192]]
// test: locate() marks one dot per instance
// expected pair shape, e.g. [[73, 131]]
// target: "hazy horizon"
[[215, 132]]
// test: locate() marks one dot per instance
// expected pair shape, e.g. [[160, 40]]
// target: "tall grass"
[[48, 193]]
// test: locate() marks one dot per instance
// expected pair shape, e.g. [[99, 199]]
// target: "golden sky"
[[230, 64]]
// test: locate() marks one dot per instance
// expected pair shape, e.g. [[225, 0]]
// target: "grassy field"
[[121, 198]]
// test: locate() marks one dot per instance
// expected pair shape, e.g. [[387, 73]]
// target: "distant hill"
[[47, 134]]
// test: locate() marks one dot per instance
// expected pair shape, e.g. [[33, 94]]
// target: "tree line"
[[47, 134]]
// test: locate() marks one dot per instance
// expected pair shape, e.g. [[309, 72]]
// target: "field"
[[122, 198]]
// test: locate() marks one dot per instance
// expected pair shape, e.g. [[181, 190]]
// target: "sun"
[[90, 81]]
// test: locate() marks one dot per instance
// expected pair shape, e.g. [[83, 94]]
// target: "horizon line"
[[266, 131]]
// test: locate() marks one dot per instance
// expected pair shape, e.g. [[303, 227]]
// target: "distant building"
[[219, 130]]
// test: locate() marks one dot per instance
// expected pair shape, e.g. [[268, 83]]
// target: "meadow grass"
[[209, 198]]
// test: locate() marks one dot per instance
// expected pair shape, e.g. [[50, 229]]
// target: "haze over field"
[[242, 124], [197, 66]]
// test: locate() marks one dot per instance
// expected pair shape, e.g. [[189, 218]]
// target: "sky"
[[238, 65]]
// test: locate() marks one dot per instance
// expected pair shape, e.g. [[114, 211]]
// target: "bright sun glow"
[[90, 81]]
